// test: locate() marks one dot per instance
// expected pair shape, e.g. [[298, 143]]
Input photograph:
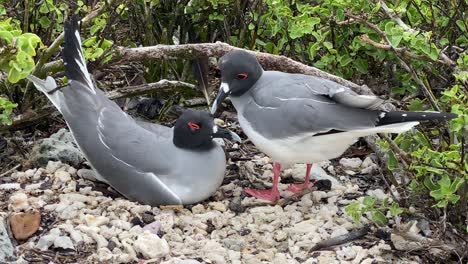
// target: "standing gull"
[[297, 118], [145, 162]]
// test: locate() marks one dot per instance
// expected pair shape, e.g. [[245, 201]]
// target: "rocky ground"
[[58, 214]]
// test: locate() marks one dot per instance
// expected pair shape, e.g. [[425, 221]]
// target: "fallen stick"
[[338, 240]]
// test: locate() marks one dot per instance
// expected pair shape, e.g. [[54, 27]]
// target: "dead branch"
[[338, 240], [218, 49], [146, 88], [403, 51], [34, 118]]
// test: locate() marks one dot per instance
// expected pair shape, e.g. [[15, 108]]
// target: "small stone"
[[46, 241], [63, 242], [24, 225], [10, 186], [18, 201], [87, 174], [147, 217], [6, 247], [136, 221], [111, 245], [198, 209], [38, 174], [151, 245], [30, 173], [352, 163], [280, 236], [350, 172], [62, 176], [104, 255], [53, 166], [338, 231], [153, 227], [218, 206], [92, 220], [233, 244], [236, 205], [368, 162], [378, 194]]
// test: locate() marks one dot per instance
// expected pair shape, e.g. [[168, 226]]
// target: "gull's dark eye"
[[217, 72], [193, 125], [242, 76]]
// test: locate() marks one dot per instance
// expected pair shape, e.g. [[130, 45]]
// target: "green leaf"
[[368, 201], [353, 210], [429, 183], [6, 35], [361, 65], [392, 161], [345, 60], [379, 218], [461, 25], [416, 105], [44, 22], [395, 209], [328, 45]]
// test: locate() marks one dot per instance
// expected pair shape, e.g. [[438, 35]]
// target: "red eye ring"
[[192, 125], [242, 76]]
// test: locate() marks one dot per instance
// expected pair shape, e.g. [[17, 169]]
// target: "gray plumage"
[[296, 118], [138, 159]]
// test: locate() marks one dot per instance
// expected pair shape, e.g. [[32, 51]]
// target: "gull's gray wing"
[[284, 105]]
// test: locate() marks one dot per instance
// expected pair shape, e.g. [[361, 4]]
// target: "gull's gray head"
[[196, 130], [239, 71]]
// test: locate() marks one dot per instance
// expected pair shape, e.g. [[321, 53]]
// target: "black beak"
[[222, 94], [227, 134]]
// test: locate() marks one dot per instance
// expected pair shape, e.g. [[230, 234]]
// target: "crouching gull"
[[145, 162], [297, 118]]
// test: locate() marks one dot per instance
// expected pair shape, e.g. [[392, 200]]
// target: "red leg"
[[272, 194], [296, 188]]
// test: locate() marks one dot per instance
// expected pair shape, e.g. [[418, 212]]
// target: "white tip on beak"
[[225, 87]]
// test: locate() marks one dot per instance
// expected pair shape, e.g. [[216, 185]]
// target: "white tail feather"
[[392, 128], [46, 86]]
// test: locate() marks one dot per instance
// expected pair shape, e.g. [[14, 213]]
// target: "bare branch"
[[218, 49], [146, 88]]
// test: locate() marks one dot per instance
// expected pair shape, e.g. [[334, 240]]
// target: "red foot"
[[297, 188], [271, 195]]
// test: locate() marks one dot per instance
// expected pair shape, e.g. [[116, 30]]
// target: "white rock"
[[378, 194], [367, 163], [62, 176], [219, 206], [93, 220], [104, 254], [346, 253], [10, 186], [151, 246], [72, 171], [33, 187], [30, 173], [198, 209], [352, 163], [45, 242], [338, 231], [53, 166], [37, 175], [18, 201], [86, 174], [63, 242]]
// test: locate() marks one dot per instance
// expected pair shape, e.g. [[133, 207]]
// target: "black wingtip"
[[387, 118]]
